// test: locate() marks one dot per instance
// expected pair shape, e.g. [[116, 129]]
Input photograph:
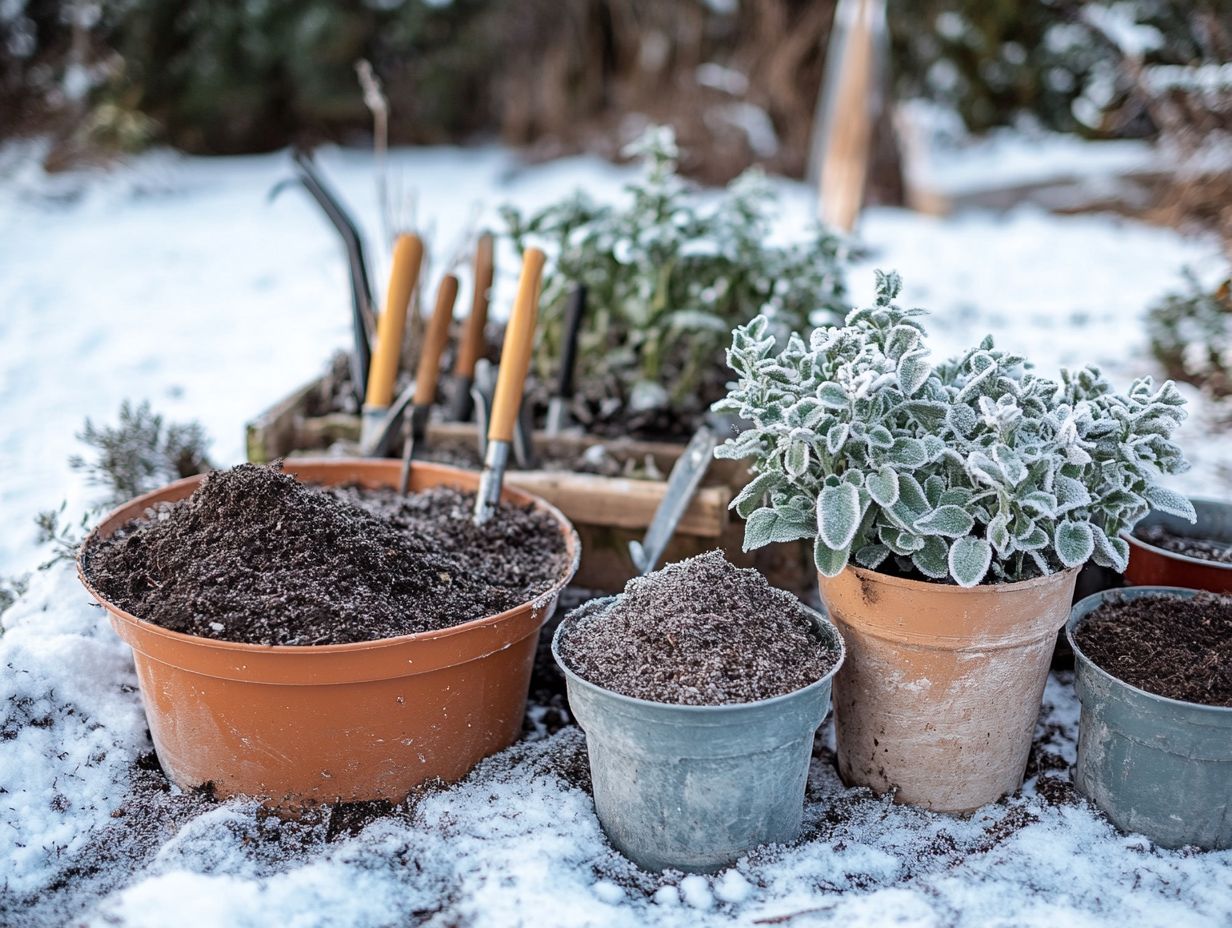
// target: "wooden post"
[[846, 110]]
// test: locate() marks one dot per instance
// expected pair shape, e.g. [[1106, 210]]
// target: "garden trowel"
[[428, 372], [558, 406], [682, 484], [482, 391], [472, 345], [510, 384], [391, 328]]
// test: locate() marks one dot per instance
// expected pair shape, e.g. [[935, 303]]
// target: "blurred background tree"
[[738, 81]]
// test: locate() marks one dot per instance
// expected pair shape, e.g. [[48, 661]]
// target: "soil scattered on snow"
[[698, 633], [255, 556], [1206, 549], [1173, 647]]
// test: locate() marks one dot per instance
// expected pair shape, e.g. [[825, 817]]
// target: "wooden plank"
[[620, 502], [274, 432]]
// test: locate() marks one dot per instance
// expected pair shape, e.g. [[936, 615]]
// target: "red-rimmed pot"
[[1153, 566]]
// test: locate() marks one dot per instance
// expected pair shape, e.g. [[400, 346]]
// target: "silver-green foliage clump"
[[670, 271], [973, 470]]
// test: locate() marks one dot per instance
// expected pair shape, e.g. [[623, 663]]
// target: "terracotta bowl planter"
[[329, 723], [1152, 566], [941, 688]]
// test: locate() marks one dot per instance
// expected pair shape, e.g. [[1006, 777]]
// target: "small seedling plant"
[[974, 470]]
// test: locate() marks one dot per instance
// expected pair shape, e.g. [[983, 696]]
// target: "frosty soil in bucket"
[[255, 556], [699, 633], [714, 762], [1156, 765], [1177, 648]]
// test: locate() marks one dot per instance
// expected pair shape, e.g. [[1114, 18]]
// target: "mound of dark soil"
[[1205, 549], [255, 556], [700, 632], [1173, 647]]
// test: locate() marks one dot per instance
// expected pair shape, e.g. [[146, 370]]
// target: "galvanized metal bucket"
[[1156, 766], [694, 788]]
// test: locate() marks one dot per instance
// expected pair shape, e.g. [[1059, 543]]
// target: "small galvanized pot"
[[1156, 766], [1152, 566], [694, 788]]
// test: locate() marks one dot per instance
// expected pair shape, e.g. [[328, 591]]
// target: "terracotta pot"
[[329, 723], [1152, 566], [942, 685]]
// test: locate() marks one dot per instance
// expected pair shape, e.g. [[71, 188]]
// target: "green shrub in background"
[[669, 272], [1191, 335], [1059, 63], [230, 77]]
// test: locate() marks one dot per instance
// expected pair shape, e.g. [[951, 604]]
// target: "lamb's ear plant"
[[975, 470]]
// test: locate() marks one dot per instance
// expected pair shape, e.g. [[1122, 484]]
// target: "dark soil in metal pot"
[[1205, 549], [1166, 645], [701, 633], [255, 556]]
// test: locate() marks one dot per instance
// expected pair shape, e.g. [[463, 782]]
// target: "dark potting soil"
[[701, 633], [1205, 549], [255, 556], [1173, 647]]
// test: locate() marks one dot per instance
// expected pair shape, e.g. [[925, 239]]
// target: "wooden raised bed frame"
[[608, 512]]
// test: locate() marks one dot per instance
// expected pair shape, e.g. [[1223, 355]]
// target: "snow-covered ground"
[[90, 834], [175, 280]]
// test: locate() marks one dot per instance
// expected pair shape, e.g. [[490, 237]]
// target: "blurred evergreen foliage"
[[211, 76], [1067, 65]]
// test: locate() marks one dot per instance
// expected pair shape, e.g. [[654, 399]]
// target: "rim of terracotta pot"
[[1079, 613], [940, 586], [1136, 542], [308, 653], [698, 711], [894, 626]]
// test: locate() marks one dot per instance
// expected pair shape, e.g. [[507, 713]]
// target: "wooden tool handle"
[[515, 354], [403, 275], [434, 341], [472, 346]]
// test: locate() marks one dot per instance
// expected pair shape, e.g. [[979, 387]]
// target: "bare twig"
[[378, 105]]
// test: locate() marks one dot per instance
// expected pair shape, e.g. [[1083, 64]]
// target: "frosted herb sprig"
[[974, 470]]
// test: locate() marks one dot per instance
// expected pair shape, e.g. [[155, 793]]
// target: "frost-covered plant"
[[1191, 335], [141, 452], [669, 272], [973, 470]]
